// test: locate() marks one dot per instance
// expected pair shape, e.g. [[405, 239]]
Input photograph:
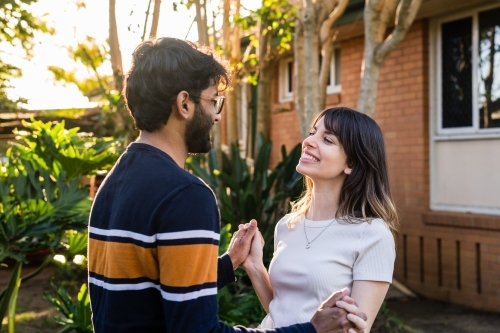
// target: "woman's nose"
[[309, 141]]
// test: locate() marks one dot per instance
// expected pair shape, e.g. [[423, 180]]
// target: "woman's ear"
[[349, 167]]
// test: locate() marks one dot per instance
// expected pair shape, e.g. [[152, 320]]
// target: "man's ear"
[[182, 104]]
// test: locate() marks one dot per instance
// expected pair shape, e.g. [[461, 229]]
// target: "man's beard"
[[198, 132]]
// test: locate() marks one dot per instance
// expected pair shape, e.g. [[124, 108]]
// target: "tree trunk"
[[264, 86], [156, 19], [314, 36], [369, 82], [311, 58], [232, 50], [201, 22], [300, 74], [114, 46], [377, 16]]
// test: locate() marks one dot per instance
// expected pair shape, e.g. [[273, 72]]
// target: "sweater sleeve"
[[225, 273], [188, 261]]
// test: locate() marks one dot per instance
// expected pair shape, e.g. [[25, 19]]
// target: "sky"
[[72, 25]]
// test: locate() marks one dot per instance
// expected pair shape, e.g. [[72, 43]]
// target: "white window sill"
[[286, 99], [465, 209], [466, 136], [330, 90]]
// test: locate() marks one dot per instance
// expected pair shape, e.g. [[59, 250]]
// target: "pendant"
[[308, 246]]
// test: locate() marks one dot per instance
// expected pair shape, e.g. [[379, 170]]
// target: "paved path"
[[429, 316]]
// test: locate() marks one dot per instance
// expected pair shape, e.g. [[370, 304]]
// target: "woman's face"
[[323, 157]]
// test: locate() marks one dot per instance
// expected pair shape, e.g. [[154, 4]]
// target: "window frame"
[[284, 79], [435, 67], [284, 76], [333, 87]]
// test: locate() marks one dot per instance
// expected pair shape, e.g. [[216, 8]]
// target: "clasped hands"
[[336, 314]]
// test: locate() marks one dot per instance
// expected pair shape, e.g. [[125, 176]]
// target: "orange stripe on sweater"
[[188, 265], [122, 260], [175, 266]]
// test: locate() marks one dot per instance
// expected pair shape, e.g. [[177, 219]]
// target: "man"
[[154, 228]]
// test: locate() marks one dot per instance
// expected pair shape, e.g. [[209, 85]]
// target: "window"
[[465, 111], [286, 72], [333, 86], [468, 62], [286, 80]]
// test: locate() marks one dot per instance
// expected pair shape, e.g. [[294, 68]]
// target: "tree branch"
[[406, 13], [146, 21], [156, 18], [337, 12]]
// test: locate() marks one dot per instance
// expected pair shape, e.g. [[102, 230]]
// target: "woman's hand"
[[257, 272], [353, 314], [254, 258]]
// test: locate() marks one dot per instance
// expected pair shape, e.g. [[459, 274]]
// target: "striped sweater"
[[153, 250]]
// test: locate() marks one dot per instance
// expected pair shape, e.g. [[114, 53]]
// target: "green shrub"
[[41, 197], [77, 315]]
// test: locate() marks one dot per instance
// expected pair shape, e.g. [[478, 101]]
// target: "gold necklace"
[[305, 233]]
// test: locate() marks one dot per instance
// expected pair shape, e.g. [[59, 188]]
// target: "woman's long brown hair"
[[365, 194]]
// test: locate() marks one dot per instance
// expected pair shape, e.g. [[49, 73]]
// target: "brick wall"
[[448, 256]]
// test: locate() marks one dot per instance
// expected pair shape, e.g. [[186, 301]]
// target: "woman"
[[340, 233]]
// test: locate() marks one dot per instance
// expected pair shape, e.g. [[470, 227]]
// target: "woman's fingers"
[[348, 299], [262, 239], [351, 308], [359, 322]]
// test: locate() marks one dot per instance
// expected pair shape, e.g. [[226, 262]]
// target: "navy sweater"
[[153, 250]]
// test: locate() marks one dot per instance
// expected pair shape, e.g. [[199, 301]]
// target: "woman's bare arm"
[[369, 296]]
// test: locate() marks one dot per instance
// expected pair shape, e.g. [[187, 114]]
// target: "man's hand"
[[240, 243], [332, 319]]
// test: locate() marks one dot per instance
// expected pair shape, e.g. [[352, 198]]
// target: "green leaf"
[[11, 289]]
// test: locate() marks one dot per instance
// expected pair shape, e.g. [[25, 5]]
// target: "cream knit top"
[[303, 278]]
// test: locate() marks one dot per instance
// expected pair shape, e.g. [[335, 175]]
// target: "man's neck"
[[171, 142]]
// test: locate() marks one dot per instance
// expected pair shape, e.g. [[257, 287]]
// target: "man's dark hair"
[[161, 69]]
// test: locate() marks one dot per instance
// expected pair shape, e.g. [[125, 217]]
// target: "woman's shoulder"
[[287, 222], [378, 223], [283, 221], [378, 229]]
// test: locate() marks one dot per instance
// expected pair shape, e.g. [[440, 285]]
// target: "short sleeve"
[[375, 253], [280, 224]]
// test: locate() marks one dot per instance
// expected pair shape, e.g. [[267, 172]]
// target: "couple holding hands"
[[154, 227]]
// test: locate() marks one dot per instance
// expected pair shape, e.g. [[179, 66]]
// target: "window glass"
[[489, 69], [290, 77], [456, 60], [337, 66]]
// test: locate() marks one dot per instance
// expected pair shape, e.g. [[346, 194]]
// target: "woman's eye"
[[311, 133], [329, 140], [214, 102]]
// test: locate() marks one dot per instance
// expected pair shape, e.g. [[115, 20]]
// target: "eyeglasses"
[[218, 102]]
